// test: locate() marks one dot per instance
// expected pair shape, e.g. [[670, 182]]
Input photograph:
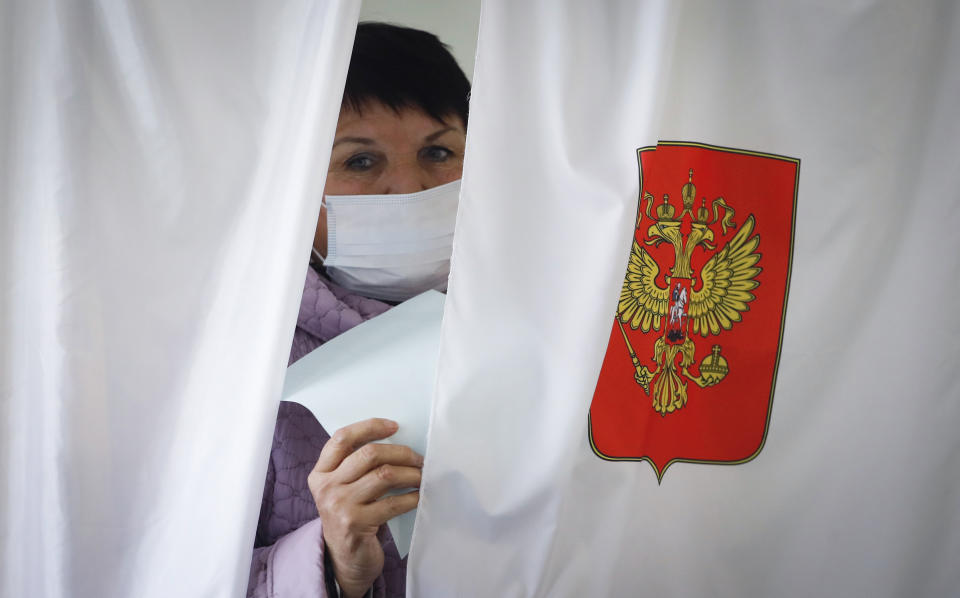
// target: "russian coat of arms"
[[691, 362]]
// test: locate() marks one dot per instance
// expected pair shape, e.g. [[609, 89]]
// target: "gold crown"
[[688, 193], [665, 211]]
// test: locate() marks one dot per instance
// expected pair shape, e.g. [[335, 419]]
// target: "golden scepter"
[[642, 375]]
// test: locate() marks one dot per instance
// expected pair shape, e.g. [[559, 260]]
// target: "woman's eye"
[[436, 153], [359, 162]]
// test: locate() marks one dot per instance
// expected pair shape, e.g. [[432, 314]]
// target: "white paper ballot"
[[384, 367]]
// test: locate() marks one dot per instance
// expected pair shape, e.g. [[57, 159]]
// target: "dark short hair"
[[405, 68]]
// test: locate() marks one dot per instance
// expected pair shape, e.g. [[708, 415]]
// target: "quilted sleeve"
[[288, 558], [293, 566], [296, 566]]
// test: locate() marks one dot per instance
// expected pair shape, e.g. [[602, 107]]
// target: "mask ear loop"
[[318, 259]]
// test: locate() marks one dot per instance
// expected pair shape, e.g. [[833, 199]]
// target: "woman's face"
[[381, 151]]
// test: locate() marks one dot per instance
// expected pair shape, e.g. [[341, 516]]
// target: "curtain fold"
[[162, 166]]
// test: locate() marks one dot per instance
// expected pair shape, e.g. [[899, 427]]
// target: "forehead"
[[378, 121]]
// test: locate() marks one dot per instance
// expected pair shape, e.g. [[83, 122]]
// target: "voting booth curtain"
[[701, 332], [161, 169]]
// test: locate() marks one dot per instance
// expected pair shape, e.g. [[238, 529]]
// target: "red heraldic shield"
[[692, 359]]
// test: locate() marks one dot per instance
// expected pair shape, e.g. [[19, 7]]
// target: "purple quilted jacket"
[[288, 556]]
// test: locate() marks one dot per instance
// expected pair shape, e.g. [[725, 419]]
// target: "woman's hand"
[[348, 484]]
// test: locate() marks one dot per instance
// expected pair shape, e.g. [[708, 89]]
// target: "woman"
[[383, 236]]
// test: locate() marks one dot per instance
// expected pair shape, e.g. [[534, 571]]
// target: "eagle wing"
[[728, 279], [642, 302]]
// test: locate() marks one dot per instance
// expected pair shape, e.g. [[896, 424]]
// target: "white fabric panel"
[[857, 489], [161, 169]]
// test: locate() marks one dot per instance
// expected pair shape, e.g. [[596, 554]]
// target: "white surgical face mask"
[[391, 247]]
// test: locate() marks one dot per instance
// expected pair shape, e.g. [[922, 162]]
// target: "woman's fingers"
[[385, 478], [353, 472], [348, 439], [369, 457], [381, 511]]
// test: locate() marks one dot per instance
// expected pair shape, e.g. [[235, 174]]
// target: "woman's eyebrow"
[[436, 134], [360, 140]]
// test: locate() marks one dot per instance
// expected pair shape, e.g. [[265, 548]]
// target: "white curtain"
[[161, 167], [856, 489]]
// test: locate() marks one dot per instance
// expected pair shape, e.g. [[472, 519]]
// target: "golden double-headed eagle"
[[718, 297]]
